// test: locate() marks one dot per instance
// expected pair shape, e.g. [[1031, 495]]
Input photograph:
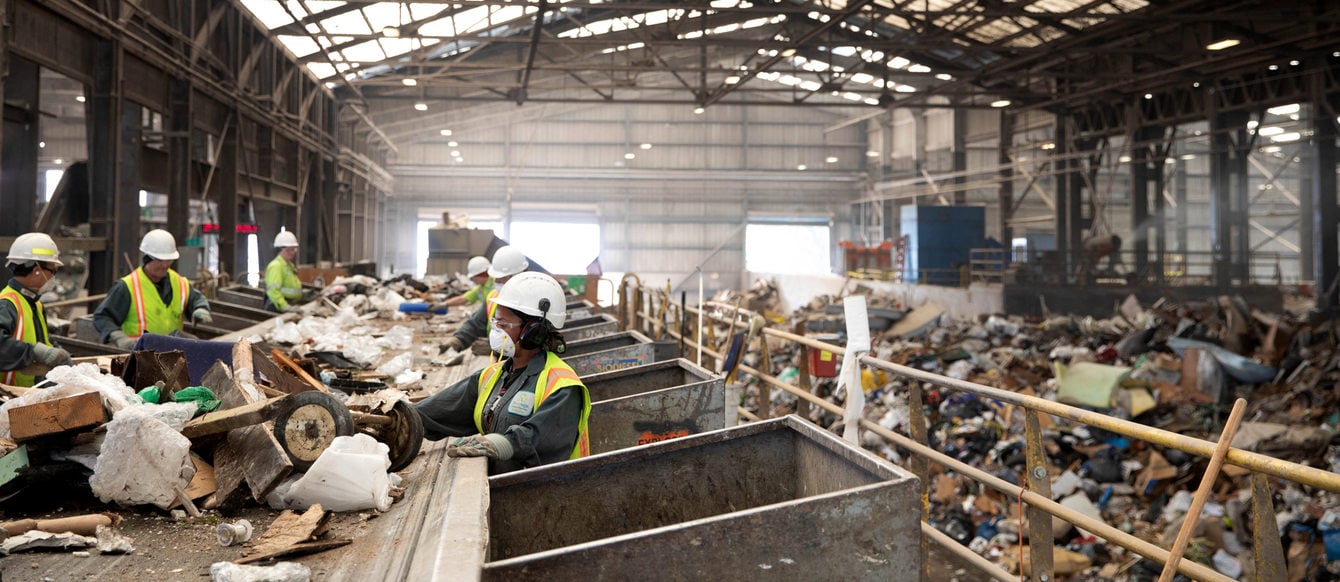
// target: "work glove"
[[493, 446], [51, 356], [121, 340], [453, 344], [481, 347], [202, 315]]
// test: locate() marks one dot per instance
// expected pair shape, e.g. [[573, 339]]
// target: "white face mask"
[[502, 343], [49, 285]]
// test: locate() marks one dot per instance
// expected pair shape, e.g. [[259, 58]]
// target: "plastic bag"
[[281, 572], [349, 476]]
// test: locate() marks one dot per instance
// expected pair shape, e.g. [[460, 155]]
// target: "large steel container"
[[776, 500], [580, 308], [589, 327], [653, 402], [243, 295], [615, 351]]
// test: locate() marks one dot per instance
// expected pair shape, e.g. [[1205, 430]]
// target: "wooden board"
[[228, 477], [290, 534], [264, 462], [221, 421], [56, 416]]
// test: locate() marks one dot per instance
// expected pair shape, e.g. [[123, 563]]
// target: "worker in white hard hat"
[[32, 261], [478, 272], [283, 288], [507, 262], [152, 299], [527, 409]]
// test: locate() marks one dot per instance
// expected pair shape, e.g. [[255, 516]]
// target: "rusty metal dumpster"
[[780, 499], [653, 402], [589, 327], [580, 308], [615, 351]]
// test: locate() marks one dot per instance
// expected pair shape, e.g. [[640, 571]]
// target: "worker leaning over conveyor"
[[283, 288], [32, 261], [478, 272], [152, 299], [507, 262], [527, 409]]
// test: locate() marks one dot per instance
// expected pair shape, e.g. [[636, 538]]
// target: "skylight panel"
[[319, 6], [365, 52], [270, 13], [347, 23], [321, 70], [424, 11], [440, 27], [384, 15], [300, 46], [394, 47], [296, 7]]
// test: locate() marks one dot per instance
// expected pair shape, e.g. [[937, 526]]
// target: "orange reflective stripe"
[[18, 331], [185, 293], [138, 300], [555, 376]]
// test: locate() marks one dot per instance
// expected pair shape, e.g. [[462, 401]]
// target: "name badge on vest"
[[523, 404]]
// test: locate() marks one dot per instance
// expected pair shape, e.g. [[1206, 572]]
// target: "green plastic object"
[[205, 400], [151, 394]]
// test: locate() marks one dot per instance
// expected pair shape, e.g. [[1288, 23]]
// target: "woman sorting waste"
[[527, 409]]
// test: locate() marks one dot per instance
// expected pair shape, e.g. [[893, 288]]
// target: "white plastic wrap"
[[143, 460], [858, 344], [281, 572], [397, 364], [351, 475]]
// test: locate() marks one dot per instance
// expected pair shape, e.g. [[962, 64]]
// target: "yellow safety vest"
[[282, 283], [555, 376], [25, 330], [147, 312], [490, 309]]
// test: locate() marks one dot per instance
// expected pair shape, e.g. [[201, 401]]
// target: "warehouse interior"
[[748, 161]]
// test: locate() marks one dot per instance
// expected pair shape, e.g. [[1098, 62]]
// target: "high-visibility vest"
[[491, 308], [147, 311], [26, 331], [282, 283], [555, 376]]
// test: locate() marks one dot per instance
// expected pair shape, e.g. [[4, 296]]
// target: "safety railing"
[[653, 312], [1129, 267]]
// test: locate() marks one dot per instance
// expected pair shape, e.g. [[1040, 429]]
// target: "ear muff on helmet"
[[537, 334]]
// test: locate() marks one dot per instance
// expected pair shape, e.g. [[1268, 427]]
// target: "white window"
[[562, 248], [787, 249], [421, 247]]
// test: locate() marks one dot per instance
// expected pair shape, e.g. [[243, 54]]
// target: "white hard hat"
[[33, 247], [476, 266], [535, 294], [286, 239], [507, 261], [159, 244]]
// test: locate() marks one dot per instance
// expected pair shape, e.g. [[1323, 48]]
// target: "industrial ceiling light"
[[452, 144], [1222, 44], [788, 52], [1285, 109], [1294, 63], [831, 159], [59, 161], [999, 103], [871, 154], [698, 110], [646, 146], [1149, 95], [733, 79], [409, 81], [445, 133], [455, 154], [629, 156], [421, 106], [79, 98], [802, 167], [1274, 67]]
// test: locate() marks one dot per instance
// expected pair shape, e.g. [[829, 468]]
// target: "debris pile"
[[1173, 366]]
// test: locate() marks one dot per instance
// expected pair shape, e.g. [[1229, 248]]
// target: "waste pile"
[[308, 417], [1174, 366]]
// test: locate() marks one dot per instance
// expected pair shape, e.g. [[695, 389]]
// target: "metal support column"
[[128, 188], [18, 156], [232, 256], [960, 154], [1005, 195], [1180, 168], [179, 160], [1160, 222], [1325, 251], [1228, 197], [1140, 174], [1062, 164], [105, 195]]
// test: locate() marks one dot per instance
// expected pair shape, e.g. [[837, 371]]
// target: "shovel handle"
[[1203, 492]]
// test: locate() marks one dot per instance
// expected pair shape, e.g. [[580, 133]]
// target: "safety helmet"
[[477, 266], [286, 239], [529, 292], [159, 244], [33, 247], [507, 261]]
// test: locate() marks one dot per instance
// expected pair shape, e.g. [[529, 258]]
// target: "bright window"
[[787, 249], [421, 246], [562, 248]]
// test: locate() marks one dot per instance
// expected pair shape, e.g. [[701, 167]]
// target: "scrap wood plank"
[[221, 421], [248, 356], [228, 477], [293, 367], [292, 533], [56, 416], [264, 462]]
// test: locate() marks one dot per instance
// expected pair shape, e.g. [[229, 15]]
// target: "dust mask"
[[502, 343], [49, 285]]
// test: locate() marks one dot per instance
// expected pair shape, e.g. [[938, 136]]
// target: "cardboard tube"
[[84, 525]]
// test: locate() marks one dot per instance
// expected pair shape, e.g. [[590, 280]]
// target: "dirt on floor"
[[167, 548]]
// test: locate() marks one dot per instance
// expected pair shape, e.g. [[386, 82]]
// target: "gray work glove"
[[481, 347], [51, 356], [452, 344], [493, 446], [121, 340], [202, 315]]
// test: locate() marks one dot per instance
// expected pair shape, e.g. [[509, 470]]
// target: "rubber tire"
[[337, 412], [406, 437]]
